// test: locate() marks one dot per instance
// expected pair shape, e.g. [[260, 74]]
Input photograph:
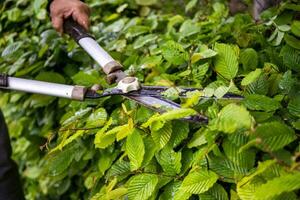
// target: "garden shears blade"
[[153, 97]]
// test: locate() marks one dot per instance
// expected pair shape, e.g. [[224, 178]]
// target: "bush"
[[115, 149]]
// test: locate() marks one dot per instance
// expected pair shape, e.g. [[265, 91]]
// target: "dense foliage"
[[114, 149]]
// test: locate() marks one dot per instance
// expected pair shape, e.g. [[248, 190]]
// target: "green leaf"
[[77, 115], [146, 2], [171, 93], [188, 28], [191, 4], [198, 138], [162, 136], [260, 102], [143, 40], [233, 118], [174, 53], [169, 160], [277, 186], [226, 62], [274, 135], [217, 192], [97, 118], [106, 160], [39, 8], [260, 86], [14, 15], [291, 57], [228, 170], [117, 193], [104, 139], [246, 191], [284, 28], [181, 129], [142, 186], [295, 28], [60, 162], [150, 150], [174, 20], [169, 190], [82, 78], [136, 31], [50, 77], [287, 82], [245, 159], [170, 115], [182, 195], [135, 149], [221, 91], [262, 167], [198, 181], [200, 71], [292, 41], [249, 59], [294, 106], [204, 53], [119, 168], [251, 77], [11, 49], [68, 140]]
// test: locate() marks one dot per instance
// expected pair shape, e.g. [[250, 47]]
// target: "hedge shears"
[[127, 86]]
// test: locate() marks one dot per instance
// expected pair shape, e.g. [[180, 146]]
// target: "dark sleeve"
[[10, 185]]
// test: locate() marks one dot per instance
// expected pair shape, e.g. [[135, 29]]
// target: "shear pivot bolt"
[[129, 84], [96, 87]]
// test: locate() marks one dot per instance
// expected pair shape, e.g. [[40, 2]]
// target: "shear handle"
[[76, 31], [111, 67]]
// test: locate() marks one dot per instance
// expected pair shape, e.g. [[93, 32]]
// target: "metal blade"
[[162, 105]]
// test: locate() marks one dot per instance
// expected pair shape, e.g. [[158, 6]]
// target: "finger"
[[88, 10], [82, 19], [67, 14], [57, 23]]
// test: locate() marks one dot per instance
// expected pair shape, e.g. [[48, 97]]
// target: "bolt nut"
[[96, 87], [129, 84]]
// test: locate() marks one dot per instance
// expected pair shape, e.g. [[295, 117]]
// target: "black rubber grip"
[[73, 29], [3, 80]]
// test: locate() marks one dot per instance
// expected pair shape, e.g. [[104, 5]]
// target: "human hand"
[[63, 9]]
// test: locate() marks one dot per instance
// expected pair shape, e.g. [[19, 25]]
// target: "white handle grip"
[[41, 87], [108, 64]]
